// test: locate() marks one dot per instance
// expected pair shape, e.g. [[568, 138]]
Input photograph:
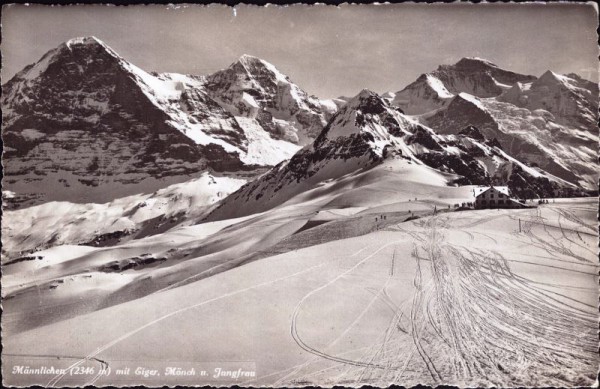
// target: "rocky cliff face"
[[82, 118]]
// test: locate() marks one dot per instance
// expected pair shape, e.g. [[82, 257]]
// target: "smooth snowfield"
[[62, 222], [461, 298]]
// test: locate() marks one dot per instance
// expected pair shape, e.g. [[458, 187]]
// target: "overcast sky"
[[328, 51]]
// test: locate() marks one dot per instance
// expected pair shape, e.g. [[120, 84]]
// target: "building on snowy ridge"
[[495, 197]]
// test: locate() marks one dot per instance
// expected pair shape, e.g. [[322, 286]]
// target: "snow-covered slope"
[[572, 100], [475, 76], [368, 131], [348, 303], [59, 222], [425, 94], [547, 122], [535, 137]]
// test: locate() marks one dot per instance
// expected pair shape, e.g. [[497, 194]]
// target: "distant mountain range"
[[367, 131], [84, 125]]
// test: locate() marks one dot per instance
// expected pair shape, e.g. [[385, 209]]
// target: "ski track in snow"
[[56, 379], [468, 318], [473, 313]]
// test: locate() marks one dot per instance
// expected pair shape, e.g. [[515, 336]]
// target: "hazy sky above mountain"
[[328, 51]]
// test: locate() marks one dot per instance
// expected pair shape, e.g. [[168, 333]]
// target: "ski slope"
[[456, 298]]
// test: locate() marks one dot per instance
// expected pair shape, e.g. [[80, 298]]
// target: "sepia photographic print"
[[300, 195]]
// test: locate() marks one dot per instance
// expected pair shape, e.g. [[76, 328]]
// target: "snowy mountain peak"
[[255, 89], [365, 93], [474, 63], [572, 100], [368, 116], [88, 43], [476, 76], [469, 104], [364, 97], [550, 76], [250, 59], [84, 41], [84, 111], [255, 67], [82, 51], [548, 122], [365, 102]]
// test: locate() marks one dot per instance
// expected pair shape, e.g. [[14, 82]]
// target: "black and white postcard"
[[301, 195]]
